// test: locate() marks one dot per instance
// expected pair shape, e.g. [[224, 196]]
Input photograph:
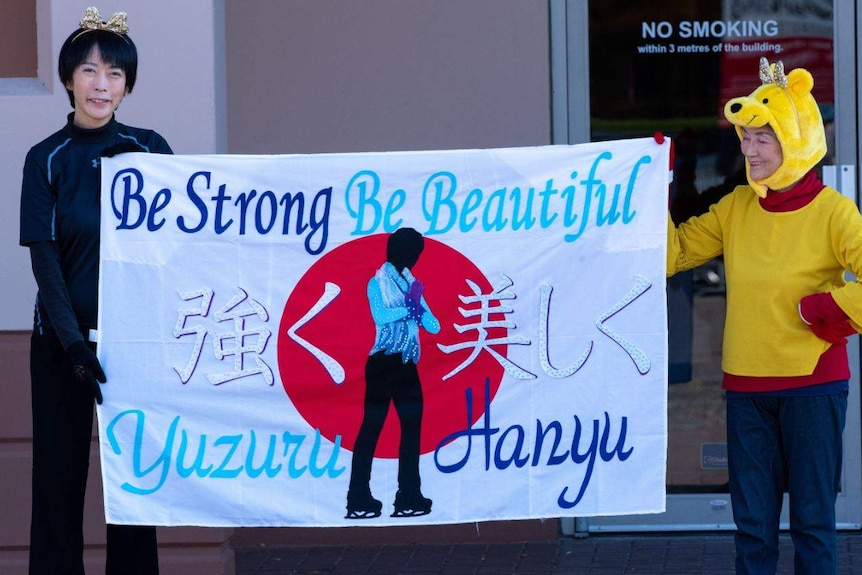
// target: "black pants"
[[62, 429], [388, 379]]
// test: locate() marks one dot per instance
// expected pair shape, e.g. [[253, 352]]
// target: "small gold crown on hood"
[[786, 104]]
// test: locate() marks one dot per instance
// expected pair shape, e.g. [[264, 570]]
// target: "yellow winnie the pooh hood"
[[786, 104]]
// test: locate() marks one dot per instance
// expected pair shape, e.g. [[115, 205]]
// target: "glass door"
[[623, 70]]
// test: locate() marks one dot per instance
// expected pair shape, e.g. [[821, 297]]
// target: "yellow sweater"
[[772, 260]]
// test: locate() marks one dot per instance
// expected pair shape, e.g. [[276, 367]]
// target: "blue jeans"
[[792, 444]]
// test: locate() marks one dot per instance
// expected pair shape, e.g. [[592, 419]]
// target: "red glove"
[[825, 319]]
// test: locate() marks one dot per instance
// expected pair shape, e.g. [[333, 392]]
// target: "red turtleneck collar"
[[800, 195]]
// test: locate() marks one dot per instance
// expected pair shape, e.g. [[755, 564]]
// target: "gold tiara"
[[768, 76], [92, 20]]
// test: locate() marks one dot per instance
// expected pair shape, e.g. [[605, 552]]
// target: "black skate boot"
[[411, 504], [362, 506]]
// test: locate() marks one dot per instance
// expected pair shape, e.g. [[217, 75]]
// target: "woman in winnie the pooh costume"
[[786, 240]]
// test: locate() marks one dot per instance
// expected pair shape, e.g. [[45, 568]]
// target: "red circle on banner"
[[344, 331]]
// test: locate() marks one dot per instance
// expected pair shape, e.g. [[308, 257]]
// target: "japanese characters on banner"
[[384, 338]]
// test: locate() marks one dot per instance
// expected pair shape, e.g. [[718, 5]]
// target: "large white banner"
[[256, 314]]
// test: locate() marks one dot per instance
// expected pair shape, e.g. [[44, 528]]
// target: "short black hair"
[[404, 247], [116, 49]]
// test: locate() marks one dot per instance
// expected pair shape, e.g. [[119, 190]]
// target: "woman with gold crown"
[[60, 216], [787, 241]]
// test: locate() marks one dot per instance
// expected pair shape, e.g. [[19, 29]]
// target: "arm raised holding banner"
[[787, 241]]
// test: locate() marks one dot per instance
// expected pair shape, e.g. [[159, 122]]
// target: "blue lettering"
[[610, 215], [267, 466], [546, 218], [468, 432], [128, 196], [228, 457], [243, 201], [629, 215], [365, 200], [554, 458], [162, 463], [221, 472], [319, 220], [493, 219], [502, 463], [198, 203], [512, 207], [589, 183], [461, 443], [269, 203], [288, 201], [471, 203], [329, 467], [578, 458], [526, 219], [444, 185], [220, 198], [293, 440], [618, 450], [198, 465], [396, 202], [160, 201]]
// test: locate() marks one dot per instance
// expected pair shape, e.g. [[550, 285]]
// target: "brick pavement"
[[676, 554]]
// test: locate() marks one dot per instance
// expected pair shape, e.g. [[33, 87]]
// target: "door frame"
[[569, 27]]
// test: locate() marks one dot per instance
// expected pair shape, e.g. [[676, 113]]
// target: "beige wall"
[[380, 75], [303, 76], [179, 94]]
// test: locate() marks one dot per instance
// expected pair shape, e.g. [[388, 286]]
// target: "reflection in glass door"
[[669, 67]]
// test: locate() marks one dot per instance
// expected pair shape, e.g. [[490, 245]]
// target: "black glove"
[[121, 148], [86, 367]]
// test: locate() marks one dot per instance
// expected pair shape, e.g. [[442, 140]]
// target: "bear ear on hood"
[[800, 82]]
